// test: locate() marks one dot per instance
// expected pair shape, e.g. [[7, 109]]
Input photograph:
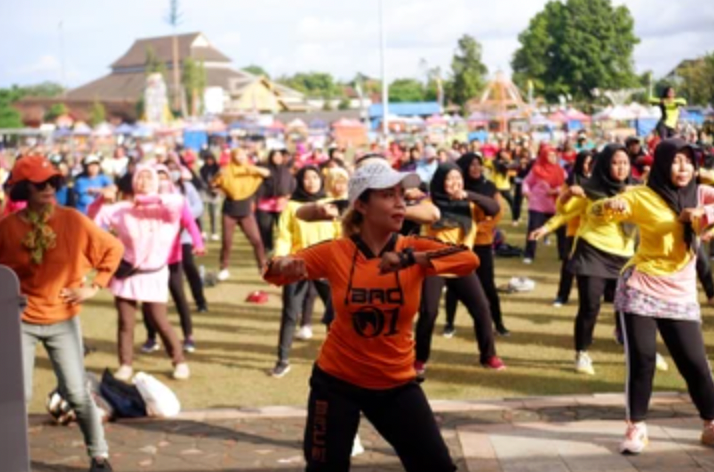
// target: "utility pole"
[[63, 77], [385, 89]]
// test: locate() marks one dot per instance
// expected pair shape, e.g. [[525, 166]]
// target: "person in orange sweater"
[[52, 249], [366, 364]]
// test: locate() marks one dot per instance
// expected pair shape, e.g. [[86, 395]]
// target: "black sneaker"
[[202, 308], [449, 332], [100, 465], [502, 331], [280, 369]]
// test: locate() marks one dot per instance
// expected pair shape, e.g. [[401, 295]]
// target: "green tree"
[[152, 64], [696, 80], [406, 90], [97, 114], [193, 79], [344, 104], [256, 70], [313, 84], [55, 111], [45, 89], [469, 72], [575, 47], [9, 116]]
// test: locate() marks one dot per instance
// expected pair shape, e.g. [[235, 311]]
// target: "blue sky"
[[285, 36]]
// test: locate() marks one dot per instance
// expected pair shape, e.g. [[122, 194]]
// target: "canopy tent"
[[347, 123], [437, 120], [317, 124], [81, 129], [540, 120], [142, 130], [297, 123], [124, 128], [103, 130]]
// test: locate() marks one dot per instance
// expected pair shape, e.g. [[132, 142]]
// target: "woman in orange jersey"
[[459, 213], [366, 364]]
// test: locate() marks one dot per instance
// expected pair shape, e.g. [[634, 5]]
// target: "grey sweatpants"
[[63, 342]]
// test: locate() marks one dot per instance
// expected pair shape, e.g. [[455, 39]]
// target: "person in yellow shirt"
[[669, 106], [294, 235], [457, 225], [580, 173], [240, 181], [600, 249], [657, 289]]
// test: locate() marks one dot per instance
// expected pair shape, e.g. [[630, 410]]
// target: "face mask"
[[165, 186], [175, 175]]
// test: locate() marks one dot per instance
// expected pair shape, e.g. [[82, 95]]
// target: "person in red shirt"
[[366, 364]]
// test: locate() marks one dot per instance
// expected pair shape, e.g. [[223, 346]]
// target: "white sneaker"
[[528, 261], [661, 363], [181, 371], [215, 237], [223, 275], [583, 363], [304, 333], [635, 439], [124, 373], [357, 447], [204, 235]]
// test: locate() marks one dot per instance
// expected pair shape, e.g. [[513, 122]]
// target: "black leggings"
[[517, 201], [665, 131], [536, 219], [686, 345], [308, 305], [402, 416], [704, 272], [565, 285], [192, 275], [469, 291], [179, 296], [506, 194], [590, 293], [486, 275], [267, 221], [293, 298]]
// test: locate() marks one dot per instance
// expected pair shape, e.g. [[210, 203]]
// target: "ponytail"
[[351, 223]]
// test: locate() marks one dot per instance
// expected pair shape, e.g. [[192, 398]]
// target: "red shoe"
[[494, 363], [258, 296]]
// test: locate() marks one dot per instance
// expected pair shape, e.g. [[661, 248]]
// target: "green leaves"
[[573, 47], [468, 71]]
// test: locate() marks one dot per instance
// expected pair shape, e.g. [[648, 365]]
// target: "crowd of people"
[[380, 238]]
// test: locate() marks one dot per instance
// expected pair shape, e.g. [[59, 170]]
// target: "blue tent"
[[195, 139], [124, 128], [406, 109]]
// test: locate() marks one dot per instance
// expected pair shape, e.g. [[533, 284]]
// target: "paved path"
[[554, 434]]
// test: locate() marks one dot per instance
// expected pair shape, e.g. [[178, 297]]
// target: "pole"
[[61, 45], [385, 89]]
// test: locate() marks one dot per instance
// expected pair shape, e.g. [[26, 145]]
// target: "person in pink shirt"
[[541, 187], [189, 231], [147, 227]]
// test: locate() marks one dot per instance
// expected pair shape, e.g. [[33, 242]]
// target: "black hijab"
[[302, 195], [454, 213], [280, 182], [600, 184], [577, 175], [482, 185], [660, 181]]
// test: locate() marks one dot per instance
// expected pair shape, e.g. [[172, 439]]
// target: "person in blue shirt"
[[65, 194], [426, 168], [90, 184]]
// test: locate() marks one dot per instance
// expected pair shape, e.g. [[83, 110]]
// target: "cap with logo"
[[36, 169]]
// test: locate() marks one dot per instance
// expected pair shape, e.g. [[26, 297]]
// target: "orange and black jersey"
[[370, 341]]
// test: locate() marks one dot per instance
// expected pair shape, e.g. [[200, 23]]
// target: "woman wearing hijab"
[[240, 181], [52, 249], [457, 225], [148, 227], [475, 181], [657, 289], [274, 194], [542, 187], [294, 235], [600, 249], [209, 170], [188, 241], [580, 173]]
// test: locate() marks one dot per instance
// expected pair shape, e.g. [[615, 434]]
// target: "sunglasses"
[[54, 182]]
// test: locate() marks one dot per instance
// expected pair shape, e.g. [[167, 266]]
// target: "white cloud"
[[45, 64]]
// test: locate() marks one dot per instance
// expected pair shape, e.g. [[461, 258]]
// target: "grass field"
[[237, 345]]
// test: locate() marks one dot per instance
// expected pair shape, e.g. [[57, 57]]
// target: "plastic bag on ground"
[[160, 400]]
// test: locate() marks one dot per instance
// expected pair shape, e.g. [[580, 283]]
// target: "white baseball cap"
[[377, 176], [91, 159]]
